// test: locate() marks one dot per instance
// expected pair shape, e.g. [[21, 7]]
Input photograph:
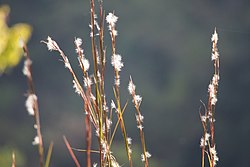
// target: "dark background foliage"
[[166, 47]]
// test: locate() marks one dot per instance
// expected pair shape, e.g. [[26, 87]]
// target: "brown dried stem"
[[31, 90]]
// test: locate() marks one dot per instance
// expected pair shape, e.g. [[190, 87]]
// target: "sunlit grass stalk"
[[94, 55], [215, 58], [32, 104], [117, 67], [121, 122], [88, 91], [102, 57], [71, 152], [13, 160], [203, 142], [88, 140], [208, 140], [47, 162], [139, 119]]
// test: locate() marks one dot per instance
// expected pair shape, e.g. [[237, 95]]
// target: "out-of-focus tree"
[[10, 39]]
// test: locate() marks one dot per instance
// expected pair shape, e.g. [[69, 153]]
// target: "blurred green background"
[[166, 48]]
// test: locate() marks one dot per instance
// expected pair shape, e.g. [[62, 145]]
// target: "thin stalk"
[[117, 124], [119, 114], [94, 55], [210, 111], [139, 120], [36, 109], [47, 162], [204, 136], [139, 123], [88, 140], [13, 159], [71, 152]]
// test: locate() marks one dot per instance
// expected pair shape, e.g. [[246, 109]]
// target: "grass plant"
[[99, 115], [207, 142], [103, 119]]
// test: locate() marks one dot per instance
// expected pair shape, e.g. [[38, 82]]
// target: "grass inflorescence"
[[207, 142]]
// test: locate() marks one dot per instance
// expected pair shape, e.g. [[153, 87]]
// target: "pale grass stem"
[[139, 119], [208, 140], [32, 104], [13, 159], [32, 108]]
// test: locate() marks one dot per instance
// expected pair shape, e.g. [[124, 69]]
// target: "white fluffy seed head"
[[215, 36], [111, 19], [148, 155], [27, 64], [131, 87], [36, 141], [116, 62], [30, 104], [78, 42], [51, 44]]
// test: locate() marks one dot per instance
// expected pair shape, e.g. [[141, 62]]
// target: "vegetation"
[[178, 90], [99, 115], [10, 51]]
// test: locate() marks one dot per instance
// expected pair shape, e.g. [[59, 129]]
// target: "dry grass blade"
[[49, 154], [13, 160], [71, 152], [32, 103]]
